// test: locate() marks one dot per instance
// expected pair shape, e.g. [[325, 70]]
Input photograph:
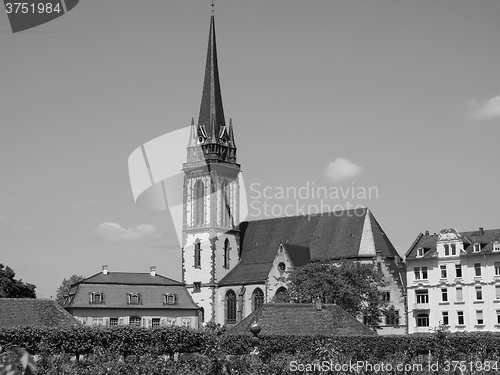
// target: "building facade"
[[454, 280], [137, 299], [232, 268]]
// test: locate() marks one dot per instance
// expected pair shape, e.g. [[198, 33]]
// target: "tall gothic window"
[[224, 204], [226, 253], [281, 295], [197, 254], [199, 203], [257, 299], [230, 307]]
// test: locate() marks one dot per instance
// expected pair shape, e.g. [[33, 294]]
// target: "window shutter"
[[106, 321], [90, 297], [128, 298], [121, 321], [150, 322], [163, 322], [139, 298], [143, 322], [126, 320], [175, 298], [102, 297]]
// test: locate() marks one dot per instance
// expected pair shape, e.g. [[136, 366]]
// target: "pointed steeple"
[[211, 110]]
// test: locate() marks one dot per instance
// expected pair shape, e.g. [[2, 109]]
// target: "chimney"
[[152, 270], [317, 303], [481, 231], [104, 269], [426, 232]]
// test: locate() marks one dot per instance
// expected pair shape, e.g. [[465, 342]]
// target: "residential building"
[[231, 269], [454, 280], [138, 299]]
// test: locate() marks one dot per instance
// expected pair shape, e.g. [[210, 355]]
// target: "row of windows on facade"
[[132, 298], [199, 204], [421, 273], [197, 254], [422, 319], [136, 321], [451, 250], [422, 295]]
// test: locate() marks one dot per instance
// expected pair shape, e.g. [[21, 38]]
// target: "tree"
[[12, 288], [65, 287], [351, 285]]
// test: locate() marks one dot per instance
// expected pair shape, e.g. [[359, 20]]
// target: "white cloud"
[[115, 232], [484, 109], [342, 169]]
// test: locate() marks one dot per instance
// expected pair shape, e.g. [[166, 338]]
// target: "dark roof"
[[129, 278], [303, 320], [330, 235], [115, 287], [299, 255], [34, 312], [428, 242]]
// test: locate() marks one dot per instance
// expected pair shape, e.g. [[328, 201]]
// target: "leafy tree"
[[351, 285], [66, 284], [12, 288]]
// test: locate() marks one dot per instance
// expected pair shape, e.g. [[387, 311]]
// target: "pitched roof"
[[303, 320], [34, 312], [486, 238], [129, 278], [116, 296], [330, 235], [299, 255]]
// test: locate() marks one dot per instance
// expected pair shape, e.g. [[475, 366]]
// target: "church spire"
[[211, 110]]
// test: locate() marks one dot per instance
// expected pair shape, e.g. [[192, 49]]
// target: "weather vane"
[[213, 6]]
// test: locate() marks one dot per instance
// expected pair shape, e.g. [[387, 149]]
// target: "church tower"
[[211, 194]]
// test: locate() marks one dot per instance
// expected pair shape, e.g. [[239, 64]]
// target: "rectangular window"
[[446, 250], [498, 316], [477, 269], [458, 270], [422, 296], [497, 268], [460, 316], [479, 293], [496, 246], [97, 321], [453, 249], [197, 255], [186, 322], [445, 318], [135, 321], [459, 295], [497, 291], [420, 273], [424, 273], [392, 319], [386, 296], [444, 294], [479, 316], [197, 287], [113, 321], [420, 252], [155, 322], [443, 271], [477, 248]]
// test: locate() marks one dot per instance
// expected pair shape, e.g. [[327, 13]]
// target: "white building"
[[454, 279]]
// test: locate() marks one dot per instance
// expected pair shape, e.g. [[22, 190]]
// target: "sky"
[[392, 105]]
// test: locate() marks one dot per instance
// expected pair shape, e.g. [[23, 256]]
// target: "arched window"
[[281, 295], [226, 253], [257, 299], [423, 320], [230, 307], [199, 203]]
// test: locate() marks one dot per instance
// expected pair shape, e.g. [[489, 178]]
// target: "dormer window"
[[420, 252], [477, 248], [96, 298], [170, 299], [134, 298], [496, 246]]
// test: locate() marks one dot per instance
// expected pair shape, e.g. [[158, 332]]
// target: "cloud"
[[115, 232], [342, 169], [484, 109]]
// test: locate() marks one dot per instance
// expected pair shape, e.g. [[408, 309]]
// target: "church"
[[232, 268]]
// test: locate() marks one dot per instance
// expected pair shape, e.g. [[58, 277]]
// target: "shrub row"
[[167, 340]]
